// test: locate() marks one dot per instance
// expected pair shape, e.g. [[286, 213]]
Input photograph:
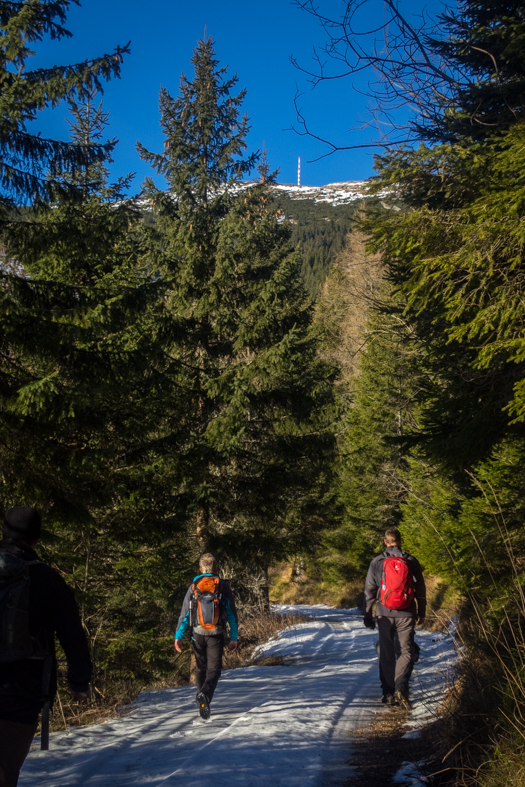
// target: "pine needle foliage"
[[320, 231], [80, 426], [484, 41], [205, 135], [244, 352], [372, 487], [452, 246], [454, 255], [31, 166], [378, 357]]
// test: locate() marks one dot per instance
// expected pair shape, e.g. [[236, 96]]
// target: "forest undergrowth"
[[301, 582], [480, 734]]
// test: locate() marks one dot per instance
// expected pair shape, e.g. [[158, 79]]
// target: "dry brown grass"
[[481, 733], [442, 603], [290, 585], [380, 749]]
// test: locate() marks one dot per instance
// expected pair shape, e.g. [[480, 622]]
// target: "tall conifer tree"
[[254, 388], [371, 483], [484, 39], [79, 427]]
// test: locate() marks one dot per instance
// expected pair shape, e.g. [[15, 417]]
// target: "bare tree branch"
[[401, 55]]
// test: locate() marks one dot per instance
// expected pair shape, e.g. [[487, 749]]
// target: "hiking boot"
[[388, 699], [402, 698], [203, 705]]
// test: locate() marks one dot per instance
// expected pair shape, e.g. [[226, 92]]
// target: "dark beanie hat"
[[23, 523]]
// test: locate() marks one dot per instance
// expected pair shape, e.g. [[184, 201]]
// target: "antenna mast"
[[299, 172]]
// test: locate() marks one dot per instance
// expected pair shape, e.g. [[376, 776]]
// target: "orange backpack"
[[205, 603]]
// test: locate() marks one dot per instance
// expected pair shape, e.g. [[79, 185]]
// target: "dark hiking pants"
[[15, 742], [395, 673], [415, 657], [208, 652]]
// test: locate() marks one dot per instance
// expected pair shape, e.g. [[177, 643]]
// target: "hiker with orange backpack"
[[395, 581], [208, 605]]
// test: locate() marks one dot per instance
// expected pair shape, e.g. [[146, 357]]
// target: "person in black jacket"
[[27, 684], [207, 645], [394, 624]]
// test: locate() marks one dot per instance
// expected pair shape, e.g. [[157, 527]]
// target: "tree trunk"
[[203, 519], [265, 592]]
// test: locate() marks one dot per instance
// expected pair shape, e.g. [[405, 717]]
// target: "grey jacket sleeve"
[[372, 583]]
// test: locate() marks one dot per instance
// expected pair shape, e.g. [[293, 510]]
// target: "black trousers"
[[15, 742], [208, 652], [395, 673]]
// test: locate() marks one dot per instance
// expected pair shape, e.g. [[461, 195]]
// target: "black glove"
[[369, 621]]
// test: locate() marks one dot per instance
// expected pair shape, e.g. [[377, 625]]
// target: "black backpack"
[[15, 640]]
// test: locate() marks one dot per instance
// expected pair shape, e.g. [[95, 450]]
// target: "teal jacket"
[[227, 604]]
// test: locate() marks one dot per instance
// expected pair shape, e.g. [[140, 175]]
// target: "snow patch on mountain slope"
[[332, 193]]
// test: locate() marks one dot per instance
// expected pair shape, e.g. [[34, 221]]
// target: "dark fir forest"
[[215, 366]]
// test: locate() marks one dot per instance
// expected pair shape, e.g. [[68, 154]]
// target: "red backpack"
[[397, 583]]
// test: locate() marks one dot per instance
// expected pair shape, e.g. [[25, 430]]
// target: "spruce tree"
[[454, 255], [485, 42], [31, 166], [80, 429], [243, 352], [454, 250], [373, 460], [367, 338]]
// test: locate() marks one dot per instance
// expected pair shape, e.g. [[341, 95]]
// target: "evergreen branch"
[[43, 87]]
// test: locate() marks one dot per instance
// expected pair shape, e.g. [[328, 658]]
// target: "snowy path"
[[281, 725]]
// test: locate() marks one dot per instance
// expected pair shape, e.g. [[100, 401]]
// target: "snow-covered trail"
[[280, 725]]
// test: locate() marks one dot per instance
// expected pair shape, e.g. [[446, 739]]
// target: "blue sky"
[[253, 39]]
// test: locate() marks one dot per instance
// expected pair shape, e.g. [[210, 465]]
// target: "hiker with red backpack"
[[208, 605], [395, 583]]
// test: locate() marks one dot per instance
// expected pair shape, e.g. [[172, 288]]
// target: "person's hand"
[[420, 621], [232, 645], [369, 621], [79, 696], [177, 646]]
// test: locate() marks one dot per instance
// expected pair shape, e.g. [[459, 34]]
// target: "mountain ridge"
[[339, 193]]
